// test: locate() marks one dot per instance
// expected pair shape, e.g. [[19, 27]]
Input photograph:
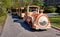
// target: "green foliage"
[[6, 3], [1, 9], [27, 2], [50, 9], [16, 4], [32, 2], [2, 18], [9, 3], [3, 5], [55, 21], [38, 3], [58, 9], [35, 2]]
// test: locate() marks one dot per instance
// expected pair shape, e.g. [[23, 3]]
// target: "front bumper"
[[40, 28]]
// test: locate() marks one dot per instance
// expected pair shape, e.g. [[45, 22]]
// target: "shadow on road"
[[22, 23]]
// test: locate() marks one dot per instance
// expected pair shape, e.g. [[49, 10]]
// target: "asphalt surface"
[[15, 27]]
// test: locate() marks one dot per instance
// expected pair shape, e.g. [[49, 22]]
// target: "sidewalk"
[[52, 14], [8, 22], [10, 29], [55, 28]]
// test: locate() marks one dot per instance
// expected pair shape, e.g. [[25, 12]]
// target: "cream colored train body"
[[35, 19]]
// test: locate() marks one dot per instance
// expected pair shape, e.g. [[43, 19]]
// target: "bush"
[[50, 9], [55, 21], [3, 17], [58, 9], [2, 12]]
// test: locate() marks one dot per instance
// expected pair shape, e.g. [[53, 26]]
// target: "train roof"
[[30, 6]]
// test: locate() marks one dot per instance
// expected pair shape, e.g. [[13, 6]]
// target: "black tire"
[[43, 29]]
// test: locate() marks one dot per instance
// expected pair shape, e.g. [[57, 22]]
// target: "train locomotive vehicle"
[[37, 19], [22, 10]]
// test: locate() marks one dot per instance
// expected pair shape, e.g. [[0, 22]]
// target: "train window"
[[32, 9], [13, 10], [22, 10]]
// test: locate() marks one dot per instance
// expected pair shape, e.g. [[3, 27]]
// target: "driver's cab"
[[28, 10], [32, 9]]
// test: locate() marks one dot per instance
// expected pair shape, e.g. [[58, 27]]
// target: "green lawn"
[[55, 21], [2, 18]]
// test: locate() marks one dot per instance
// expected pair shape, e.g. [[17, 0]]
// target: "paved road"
[[52, 14], [15, 27]]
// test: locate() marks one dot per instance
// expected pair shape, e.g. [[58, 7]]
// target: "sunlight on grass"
[[55, 21], [1, 26], [2, 18], [56, 25]]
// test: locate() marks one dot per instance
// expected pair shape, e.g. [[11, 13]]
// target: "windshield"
[[32, 9], [22, 10]]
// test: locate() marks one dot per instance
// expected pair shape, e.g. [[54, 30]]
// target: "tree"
[[58, 9], [27, 2], [50, 9], [3, 5], [16, 3], [6, 3], [1, 9], [38, 3], [9, 3]]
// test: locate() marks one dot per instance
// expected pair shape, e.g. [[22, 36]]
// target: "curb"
[[55, 28]]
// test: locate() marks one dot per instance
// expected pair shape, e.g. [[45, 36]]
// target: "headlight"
[[43, 23], [43, 20]]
